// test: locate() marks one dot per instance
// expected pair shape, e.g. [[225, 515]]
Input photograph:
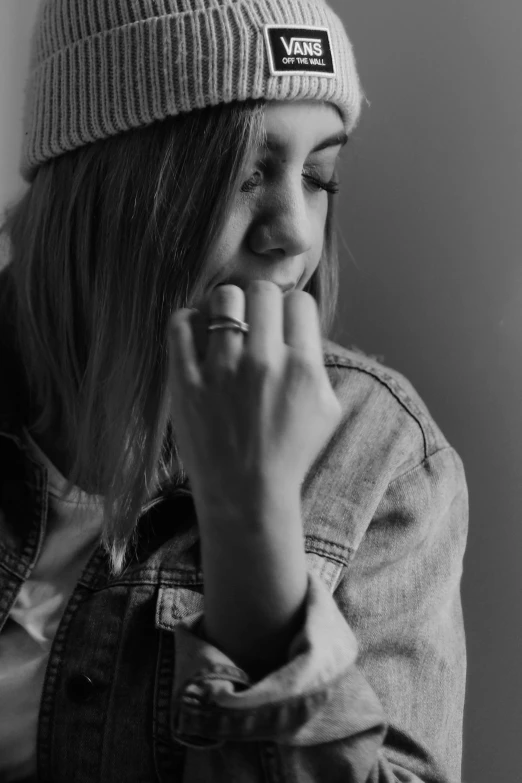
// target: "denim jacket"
[[373, 687]]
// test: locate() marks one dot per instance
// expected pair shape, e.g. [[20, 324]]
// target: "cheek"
[[318, 223], [228, 242], [221, 257]]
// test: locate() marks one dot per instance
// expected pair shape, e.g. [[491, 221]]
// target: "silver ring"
[[227, 322]]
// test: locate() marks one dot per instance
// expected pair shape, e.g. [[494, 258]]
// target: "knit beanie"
[[102, 67]]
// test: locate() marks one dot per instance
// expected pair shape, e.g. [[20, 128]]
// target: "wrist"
[[254, 504], [256, 581]]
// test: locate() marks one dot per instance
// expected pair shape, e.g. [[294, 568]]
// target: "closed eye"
[[332, 186], [315, 182]]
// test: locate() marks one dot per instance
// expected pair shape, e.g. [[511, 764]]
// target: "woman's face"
[[275, 229]]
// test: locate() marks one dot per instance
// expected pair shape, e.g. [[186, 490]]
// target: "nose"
[[283, 226]]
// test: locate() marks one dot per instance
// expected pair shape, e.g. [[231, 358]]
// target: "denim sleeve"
[[373, 689]]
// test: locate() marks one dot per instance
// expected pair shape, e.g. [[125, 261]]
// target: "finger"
[[182, 350], [264, 314], [302, 328], [225, 347]]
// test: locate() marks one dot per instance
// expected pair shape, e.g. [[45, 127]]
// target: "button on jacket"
[[373, 688]]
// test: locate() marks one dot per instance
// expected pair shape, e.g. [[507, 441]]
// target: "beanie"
[[102, 67]]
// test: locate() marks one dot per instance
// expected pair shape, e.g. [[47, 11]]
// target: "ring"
[[227, 322]]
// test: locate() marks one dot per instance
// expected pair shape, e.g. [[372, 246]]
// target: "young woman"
[[230, 549]]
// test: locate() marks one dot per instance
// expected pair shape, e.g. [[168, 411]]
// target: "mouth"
[[203, 304], [286, 288], [283, 287]]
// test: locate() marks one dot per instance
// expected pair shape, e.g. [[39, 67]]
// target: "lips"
[[285, 288], [243, 284]]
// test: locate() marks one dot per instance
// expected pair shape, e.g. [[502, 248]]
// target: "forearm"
[[255, 575]]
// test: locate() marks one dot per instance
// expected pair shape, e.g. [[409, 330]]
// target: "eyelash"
[[330, 187]]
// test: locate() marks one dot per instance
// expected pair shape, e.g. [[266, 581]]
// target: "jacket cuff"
[[317, 696]]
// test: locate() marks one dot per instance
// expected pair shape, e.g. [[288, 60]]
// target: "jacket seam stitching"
[[338, 361], [321, 547]]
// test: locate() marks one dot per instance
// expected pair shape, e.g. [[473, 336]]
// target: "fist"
[[249, 410]]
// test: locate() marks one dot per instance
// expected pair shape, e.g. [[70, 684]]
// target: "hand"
[[250, 410], [250, 414]]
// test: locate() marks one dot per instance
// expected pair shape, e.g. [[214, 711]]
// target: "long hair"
[[105, 244]]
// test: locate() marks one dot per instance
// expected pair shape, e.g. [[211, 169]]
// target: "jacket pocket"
[[175, 603]]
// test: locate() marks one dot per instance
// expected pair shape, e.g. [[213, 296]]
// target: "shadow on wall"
[[16, 23]]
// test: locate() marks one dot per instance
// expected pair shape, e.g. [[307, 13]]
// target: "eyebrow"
[[273, 144]]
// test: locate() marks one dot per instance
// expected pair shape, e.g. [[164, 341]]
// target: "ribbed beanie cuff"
[[102, 67]]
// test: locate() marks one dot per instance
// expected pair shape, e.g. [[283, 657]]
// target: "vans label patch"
[[298, 50]]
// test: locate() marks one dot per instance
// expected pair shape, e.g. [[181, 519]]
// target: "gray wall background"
[[431, 282]]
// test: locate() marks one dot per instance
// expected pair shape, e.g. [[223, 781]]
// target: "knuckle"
[[256, 364], [225, 288], [222, 368], [227, 291], [263, 288], [304, 365], [301, 297], [226, 295], [178, 318]]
